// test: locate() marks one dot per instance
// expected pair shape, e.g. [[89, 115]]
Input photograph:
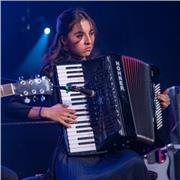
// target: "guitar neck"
[[7, 90]]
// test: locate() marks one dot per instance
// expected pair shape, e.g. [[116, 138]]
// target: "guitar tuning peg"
[[37, 76], [35, 98], [43, 98], [21, 78], [27, 100]]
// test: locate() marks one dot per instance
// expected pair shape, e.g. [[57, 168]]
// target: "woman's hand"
[[164, 99], [60, 113]]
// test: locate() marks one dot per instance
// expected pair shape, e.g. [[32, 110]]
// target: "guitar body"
[[158, 162]]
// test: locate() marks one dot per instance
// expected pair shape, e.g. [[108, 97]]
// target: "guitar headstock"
[[32, 87]]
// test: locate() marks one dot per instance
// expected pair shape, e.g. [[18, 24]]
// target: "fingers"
[[72, 111], [62, 114], [68, 116], [164, 100], [164, 105], [67, 125], [67, 121]]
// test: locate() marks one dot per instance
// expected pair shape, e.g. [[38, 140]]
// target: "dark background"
[[149, 31]]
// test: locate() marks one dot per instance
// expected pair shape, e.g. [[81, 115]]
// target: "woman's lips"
[[88, 49]]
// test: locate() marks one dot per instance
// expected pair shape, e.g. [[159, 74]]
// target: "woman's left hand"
[[164, 99]]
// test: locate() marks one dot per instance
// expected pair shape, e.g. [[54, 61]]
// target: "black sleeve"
[[18, 107]]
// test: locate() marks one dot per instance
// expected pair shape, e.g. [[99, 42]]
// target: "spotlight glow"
[[47, 30]]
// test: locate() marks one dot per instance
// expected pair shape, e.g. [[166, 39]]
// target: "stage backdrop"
[[149, 31]]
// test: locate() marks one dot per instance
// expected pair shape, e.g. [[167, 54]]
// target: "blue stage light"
[[47, 30]]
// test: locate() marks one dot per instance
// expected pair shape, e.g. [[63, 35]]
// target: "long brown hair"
[[65, 22]]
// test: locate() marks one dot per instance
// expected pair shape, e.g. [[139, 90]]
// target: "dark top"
[[120, 165]]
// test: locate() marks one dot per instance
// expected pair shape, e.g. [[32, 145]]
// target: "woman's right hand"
[[60, 113]]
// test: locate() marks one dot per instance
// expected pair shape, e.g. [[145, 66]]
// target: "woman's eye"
[[79, 36], [92, 33]]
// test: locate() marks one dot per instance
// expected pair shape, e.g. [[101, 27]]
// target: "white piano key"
[[68, 102], [83, 118], [74, 131], [75, 101], [68, 80], [78, 107], [63, 92], [86, 129], [64, 73], [75, 146], [74, 68], [76, 136], [85, 144], [83, 149], [72, 98], [68, 65], [82, 124], [72, 83], [68, 76], [85, 134], [80, 101], [78, 85], [76, 141]]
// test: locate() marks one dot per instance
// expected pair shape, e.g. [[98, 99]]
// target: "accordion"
[[124, 111]]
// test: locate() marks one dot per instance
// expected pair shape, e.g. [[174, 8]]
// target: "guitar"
[[158, 161], [31, 87]]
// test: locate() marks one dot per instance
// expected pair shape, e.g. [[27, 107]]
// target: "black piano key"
[[78, 94], [74, 83], [75, 76], [79, 103], [73, 72], [82, 138], [82, 131], [73, 67], [82, 126], [76, 99], [84, 114], [79, 110], [79, 122], [82, 143]]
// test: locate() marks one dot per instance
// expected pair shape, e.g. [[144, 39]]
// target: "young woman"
[[74, 41]]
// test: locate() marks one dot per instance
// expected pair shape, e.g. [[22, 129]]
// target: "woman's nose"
[[87, 40]]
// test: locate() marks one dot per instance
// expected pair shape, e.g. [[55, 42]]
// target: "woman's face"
[[80, 40]]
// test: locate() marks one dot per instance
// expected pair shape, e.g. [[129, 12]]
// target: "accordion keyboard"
[[80, 136]]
